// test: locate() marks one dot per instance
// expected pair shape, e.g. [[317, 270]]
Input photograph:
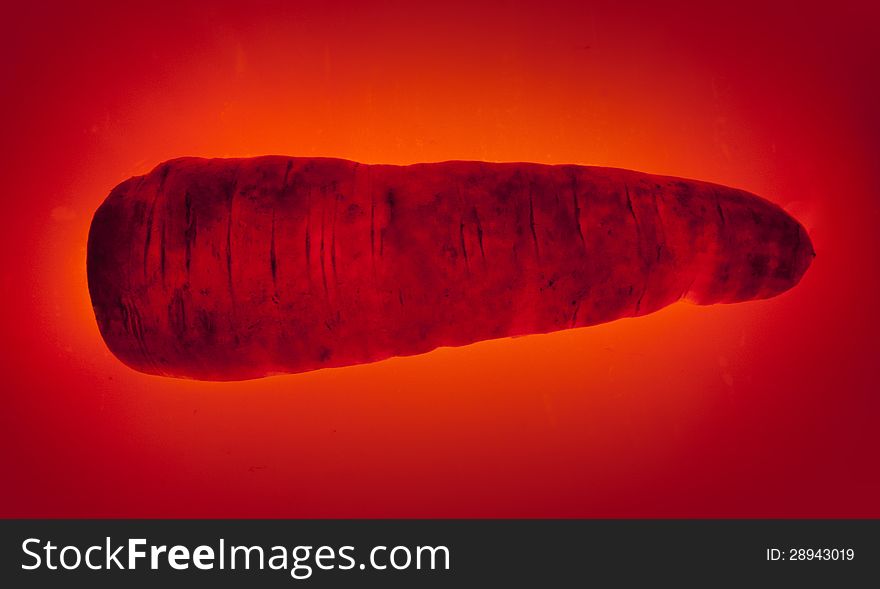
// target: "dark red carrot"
[[228, 269]]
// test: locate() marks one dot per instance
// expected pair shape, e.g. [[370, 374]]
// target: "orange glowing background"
[[763, 409]]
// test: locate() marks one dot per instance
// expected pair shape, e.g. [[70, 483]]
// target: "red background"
[[766, 408]]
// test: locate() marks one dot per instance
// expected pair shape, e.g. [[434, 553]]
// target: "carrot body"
[[241, 268]]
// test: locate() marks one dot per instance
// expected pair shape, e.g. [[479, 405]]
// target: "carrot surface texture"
[[230, 269]]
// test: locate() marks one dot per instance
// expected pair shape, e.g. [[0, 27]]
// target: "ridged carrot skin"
[[230, 269]]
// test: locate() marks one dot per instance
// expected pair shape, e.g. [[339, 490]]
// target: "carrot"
[[228, 269]]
